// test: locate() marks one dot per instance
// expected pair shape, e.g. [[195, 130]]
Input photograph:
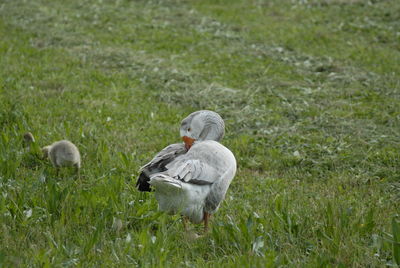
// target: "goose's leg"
[[206, 218]]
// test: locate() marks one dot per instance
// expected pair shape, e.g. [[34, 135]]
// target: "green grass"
[[309, 90]]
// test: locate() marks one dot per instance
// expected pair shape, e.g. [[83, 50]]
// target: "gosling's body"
[[63, 154]]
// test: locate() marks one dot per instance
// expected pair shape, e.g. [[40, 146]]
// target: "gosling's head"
[[28, 138], [45, 151]]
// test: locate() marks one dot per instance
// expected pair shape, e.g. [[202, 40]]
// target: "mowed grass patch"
[[311, 114]]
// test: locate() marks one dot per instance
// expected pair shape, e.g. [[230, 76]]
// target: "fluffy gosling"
[[29, 142], [63, 154], [28, 138]]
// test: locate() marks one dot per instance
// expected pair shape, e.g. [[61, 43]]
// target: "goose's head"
[[200, 126]]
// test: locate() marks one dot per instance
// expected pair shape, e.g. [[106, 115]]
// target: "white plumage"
[[192, 182], [195, 182]]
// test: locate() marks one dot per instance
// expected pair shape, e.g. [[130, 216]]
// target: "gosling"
[[28, 138], [63, 154]]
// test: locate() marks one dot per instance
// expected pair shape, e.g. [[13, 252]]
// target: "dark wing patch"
[[143, 183], [158, 163], [199, 182]]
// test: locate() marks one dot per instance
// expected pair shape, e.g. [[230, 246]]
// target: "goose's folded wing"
[[205, 172], [158, 163], [193, 171], [165, 156]]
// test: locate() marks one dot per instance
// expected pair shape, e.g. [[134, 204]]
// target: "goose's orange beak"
[[188, 142]]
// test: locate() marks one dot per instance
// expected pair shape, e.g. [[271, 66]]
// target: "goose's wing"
[[219, 189], [158, 164], [195, 171], [209, 163]]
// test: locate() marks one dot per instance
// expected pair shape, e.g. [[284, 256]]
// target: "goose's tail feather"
[[165, 183], [143, 182]]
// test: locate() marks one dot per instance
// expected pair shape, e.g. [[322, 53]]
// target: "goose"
[[63, 154], [192, 178]]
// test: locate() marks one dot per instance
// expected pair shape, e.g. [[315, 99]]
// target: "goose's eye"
[[189, 129]]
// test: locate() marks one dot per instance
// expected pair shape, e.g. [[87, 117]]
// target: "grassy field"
[[310, 93]]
